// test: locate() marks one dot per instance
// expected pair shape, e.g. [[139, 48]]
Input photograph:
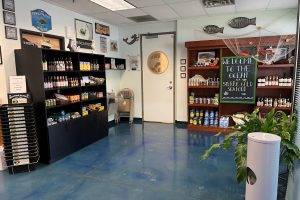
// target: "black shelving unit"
[[118, 62], [58, 140]]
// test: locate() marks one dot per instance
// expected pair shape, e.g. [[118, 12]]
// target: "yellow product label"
[[191, 121], [195, 122]]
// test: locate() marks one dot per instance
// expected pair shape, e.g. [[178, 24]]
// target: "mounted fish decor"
[[241, 22], [134, 38], [213, 29]]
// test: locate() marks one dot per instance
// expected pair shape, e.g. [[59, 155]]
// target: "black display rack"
[[61, 139], [118, 63], [20, 142]]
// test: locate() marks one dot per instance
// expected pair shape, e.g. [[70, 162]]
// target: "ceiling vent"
[[143, 18], [217, 3]]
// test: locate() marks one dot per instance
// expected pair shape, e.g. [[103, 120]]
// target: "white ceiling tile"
[[188, 9], [131, 12], [161, 12], [246, 5], [145, 3], [111, 17], [176, 1], [80, 6], [278, 4], [220, 10]]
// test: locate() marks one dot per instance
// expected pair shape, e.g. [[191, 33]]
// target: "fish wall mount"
[[213, 29], [134, 38], [241, 22]]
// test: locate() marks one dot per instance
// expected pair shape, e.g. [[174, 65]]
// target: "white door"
[[158, 83]]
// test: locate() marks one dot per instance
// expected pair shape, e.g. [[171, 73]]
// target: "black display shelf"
[[59, 140], [93, 100], [118, 61], [62, 88], [63, 105]]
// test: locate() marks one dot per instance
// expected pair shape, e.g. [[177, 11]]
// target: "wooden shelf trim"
[[204, 105], [204, 87], [276, 66], [203, 68], [210, 129], [270, 108], [274, 87]]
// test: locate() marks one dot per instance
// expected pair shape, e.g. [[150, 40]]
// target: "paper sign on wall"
[[17, 84]]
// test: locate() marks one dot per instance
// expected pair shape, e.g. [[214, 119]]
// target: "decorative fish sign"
[[241, 22], [213, 29], [134, 38]]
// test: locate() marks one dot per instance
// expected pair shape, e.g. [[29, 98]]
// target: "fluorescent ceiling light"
[[114, 4]]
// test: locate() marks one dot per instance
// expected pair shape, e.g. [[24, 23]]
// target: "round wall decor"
[[158, 62]]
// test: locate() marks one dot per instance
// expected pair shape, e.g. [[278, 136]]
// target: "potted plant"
[[277, 123]]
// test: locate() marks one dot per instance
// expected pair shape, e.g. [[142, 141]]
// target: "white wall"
[[276, 22], [60, 19], [132, 79]]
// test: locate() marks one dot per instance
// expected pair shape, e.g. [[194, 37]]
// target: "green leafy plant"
[[277, 123]]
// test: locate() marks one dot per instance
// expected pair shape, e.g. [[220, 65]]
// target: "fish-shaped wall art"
[[213, 29], [134, 38], [241, 22]]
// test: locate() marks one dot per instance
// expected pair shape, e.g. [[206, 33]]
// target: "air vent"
[[217, 3], [144, 18]]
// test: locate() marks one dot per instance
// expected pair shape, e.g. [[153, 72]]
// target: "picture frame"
[[8, 5], [182, 68], [205, 56], [11, 32], [84, 30], [113, 45], [1, 61], [32, 39], [9, 18], [182, 75], [102, 29], [182, 61]]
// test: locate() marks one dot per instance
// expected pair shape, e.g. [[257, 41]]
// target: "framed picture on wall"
[[182, 75], [182, 68], [102, 29], [84, 34], [11, 32], [9, 18], [32, 39], [8, 5], [182, 61]]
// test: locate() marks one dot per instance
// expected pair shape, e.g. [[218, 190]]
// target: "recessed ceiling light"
[[114, 4], [217, 3]]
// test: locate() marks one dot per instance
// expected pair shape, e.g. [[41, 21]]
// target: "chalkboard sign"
[[238, 80]]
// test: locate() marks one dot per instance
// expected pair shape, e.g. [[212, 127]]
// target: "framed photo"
[[8, 5], [182, 68], [1, 62], [182, 61], [84, 30], [205, 57], [182, 75], [103, 44], [9, 18], [114, 45], [11, 32], [102, 29], [32, 39]]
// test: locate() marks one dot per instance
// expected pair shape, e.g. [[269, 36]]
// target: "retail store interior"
[[149, 99]]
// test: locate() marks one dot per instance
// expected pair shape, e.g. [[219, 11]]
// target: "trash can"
[[262, 166]]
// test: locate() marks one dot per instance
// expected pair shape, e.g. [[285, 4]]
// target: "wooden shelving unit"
[[281, 69], [62, 139]]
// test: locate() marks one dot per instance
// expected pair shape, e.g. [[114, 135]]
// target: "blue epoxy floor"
[[143, 162]]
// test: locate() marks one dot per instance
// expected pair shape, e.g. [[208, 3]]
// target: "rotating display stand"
[[20, 142]]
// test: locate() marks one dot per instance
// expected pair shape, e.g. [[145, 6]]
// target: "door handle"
[[170, 87]]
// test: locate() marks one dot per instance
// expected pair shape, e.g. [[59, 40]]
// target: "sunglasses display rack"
[[20, 142]]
